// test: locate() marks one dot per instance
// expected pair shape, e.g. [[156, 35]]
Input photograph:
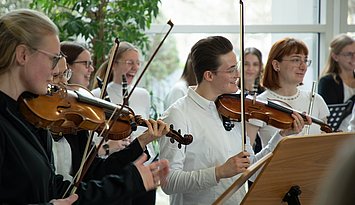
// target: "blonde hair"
[[336, 46], [23, 26], [123, 47]]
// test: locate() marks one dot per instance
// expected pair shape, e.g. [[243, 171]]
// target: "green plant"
[[99, 22]]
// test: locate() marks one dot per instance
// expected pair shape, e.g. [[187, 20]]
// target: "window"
[[315, 22]]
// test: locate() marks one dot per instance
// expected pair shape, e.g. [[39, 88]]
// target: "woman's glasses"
[[66, 74], [130, 62], [55, 57], [348, 54], [86, 63], [298, 61]]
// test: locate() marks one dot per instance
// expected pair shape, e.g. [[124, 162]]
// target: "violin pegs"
[[172, 140], [179, 145], [171, 126], [179, 131]]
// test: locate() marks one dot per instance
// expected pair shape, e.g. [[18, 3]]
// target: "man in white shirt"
[[202, 171]]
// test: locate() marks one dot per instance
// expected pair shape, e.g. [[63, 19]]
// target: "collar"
[[199, 100]]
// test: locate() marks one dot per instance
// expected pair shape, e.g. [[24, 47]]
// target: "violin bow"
[[89, 156], [170, 23], [109, 68], [242, 90]]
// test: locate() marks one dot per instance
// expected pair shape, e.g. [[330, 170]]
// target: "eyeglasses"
[[55, 57], [348, 54], [130, 62], [231, 70], [66, 74], [86, 63], [298, 61]]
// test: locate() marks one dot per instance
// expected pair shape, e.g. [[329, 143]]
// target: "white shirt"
[[348, 93], [139, 102], [62, 158], [192, 178], [300, 102]]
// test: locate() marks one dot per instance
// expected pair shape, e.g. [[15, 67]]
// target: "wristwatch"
[[106, 148]]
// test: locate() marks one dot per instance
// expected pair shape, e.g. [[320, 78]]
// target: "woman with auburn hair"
[[284, 71]]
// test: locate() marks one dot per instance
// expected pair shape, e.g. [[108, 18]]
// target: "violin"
[[70, 108], [229, 105]]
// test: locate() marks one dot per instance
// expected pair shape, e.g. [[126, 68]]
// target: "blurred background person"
[[126, 65], [253, 69], [337, 82], [181, 86]]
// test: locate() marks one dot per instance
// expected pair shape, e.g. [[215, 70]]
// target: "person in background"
[[64, 73], [68, 149], [180, 88], [126, 64], [337, 82], [79, 61], [253, 68], [203, 170], [284, 71]]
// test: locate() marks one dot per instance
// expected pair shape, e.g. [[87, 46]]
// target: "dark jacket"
[[101, 167], [27, 171], [331, 91]]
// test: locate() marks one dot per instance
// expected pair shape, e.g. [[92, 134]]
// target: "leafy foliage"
[[99, 22], [8, 5]]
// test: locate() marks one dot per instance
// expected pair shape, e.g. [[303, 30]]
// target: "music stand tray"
[[297, 162]]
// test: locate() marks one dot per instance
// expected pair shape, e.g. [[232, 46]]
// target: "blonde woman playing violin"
[[284, 71]]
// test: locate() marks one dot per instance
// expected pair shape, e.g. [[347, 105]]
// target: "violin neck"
[[91, 100], [290, 111]]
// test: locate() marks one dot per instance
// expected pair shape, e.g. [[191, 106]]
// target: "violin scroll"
[[173, 134], [176, 135]]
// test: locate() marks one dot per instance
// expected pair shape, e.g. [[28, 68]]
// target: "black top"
[[27, 171], [101, 167], [331, 91]]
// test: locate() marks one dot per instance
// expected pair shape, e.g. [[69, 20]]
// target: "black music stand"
[[338, 112], [294, 172]]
